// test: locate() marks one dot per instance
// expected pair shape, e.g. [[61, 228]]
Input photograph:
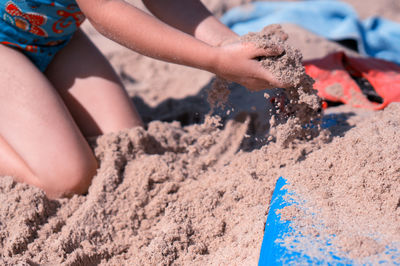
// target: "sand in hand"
[[299, 106]]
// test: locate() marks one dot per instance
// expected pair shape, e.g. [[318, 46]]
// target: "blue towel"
[[331, 19]]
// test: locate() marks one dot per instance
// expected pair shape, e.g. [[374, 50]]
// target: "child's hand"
[[236, 61]]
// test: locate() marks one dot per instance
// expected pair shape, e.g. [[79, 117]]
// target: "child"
[[58, 89]]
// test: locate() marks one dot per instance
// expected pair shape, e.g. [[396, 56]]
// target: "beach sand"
[[193, 189]]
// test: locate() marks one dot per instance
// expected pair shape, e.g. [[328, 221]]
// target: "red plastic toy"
[[361, 82]]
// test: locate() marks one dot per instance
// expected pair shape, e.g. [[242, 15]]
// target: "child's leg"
[[40, 143], [91, 89]]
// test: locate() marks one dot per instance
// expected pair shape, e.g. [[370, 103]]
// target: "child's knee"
[[81, 176], [74, 178]]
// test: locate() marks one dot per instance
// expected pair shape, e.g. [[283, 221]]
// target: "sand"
[[351, 188], [196, 191]]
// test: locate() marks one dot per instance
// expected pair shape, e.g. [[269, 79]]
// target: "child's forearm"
[[143, 33], [133, 28], [192, 17]]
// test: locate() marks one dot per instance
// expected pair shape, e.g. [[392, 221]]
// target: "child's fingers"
[[274, 50], [254, 52]]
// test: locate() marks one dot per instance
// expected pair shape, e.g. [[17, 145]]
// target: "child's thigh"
[[36, 123], [91, 89]]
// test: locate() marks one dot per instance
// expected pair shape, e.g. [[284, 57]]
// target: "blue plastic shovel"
[[275, 252]]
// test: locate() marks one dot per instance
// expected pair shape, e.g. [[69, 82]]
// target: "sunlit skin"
[[47, 117]]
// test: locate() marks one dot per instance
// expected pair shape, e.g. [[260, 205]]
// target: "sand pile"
[[188, 195], [161, 196]]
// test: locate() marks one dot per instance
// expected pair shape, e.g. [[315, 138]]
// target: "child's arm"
[[192, 17], [145, 34]]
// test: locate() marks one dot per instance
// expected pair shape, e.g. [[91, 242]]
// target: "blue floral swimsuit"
[[39, 28]]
